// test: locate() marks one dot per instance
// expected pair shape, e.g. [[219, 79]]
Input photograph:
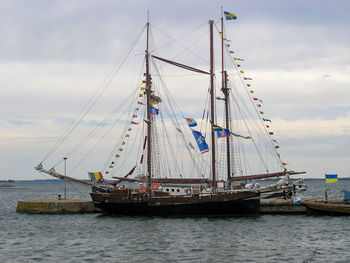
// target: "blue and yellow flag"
[[223, 133], [241, 136], [154, 99], [230, 16], [217, 128], [331, 178]]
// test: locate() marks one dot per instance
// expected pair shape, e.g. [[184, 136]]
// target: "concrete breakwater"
[[287, 206], [280, 206], [267, 206], [52, 206]]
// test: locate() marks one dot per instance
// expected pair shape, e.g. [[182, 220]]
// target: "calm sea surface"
[[98, 238]]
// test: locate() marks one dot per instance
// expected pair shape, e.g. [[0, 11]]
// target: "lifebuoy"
[[155, 186], [142, 189], [188, 191]]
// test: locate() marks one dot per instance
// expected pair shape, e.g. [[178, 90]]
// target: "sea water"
[[99, 238]]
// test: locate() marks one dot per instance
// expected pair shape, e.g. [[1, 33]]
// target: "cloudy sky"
[[54, 54]]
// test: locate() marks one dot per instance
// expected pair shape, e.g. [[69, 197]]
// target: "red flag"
[[141, 159], [255, 99], [144, 144], [247, 78]]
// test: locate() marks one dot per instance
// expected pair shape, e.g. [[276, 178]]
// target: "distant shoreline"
[[61, 181]]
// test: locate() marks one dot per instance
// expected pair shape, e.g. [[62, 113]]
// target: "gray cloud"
[[56, 53]]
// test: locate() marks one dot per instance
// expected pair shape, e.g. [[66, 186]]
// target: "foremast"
[[212, 105], [148, 92]]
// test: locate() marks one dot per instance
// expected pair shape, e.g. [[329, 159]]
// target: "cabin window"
[[173, 190], [167, 189], [178, 190]]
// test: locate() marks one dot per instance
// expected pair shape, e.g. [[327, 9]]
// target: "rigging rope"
[[174, 40], [94, 98], [176, 118], [94, 131], [260, 133]]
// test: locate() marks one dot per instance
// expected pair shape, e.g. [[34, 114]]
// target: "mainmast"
[[212, 100], [224, 90], [148, 91]]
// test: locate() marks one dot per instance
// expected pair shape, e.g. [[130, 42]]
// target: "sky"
[[54, 54]]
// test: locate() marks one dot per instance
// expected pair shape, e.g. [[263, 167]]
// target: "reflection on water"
[[96, 238]]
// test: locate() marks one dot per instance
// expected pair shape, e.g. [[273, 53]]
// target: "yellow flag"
[[154, 99]]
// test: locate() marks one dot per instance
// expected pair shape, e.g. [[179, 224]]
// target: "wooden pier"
[[74, 206]]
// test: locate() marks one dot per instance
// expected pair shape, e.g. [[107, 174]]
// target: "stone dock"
[[53, 206], [267, 206], [280, 206]]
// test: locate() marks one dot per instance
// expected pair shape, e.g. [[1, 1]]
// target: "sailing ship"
[[180, 180]]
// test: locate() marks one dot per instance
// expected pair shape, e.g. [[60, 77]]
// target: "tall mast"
[[212, 100], [149, 122], [224, 89]]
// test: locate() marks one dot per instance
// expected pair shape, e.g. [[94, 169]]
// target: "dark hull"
[[194, 206], [318, 208]]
